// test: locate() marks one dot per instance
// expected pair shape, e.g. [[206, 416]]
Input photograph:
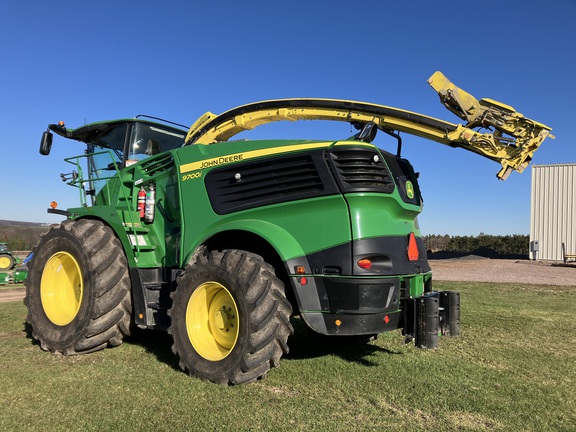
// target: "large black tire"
[[6, 261], [78, 289], [230, 317]]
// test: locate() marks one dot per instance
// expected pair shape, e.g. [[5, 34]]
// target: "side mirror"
[[368, 132], [46, 143]]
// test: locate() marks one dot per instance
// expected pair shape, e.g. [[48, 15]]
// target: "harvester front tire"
[[230, 317], [78, 289]]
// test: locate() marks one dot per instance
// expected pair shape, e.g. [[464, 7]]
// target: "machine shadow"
[[157, 343], [307, 345], [303, 345]]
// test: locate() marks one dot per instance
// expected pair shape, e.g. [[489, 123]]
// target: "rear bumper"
[[351, 325], [356, 305]]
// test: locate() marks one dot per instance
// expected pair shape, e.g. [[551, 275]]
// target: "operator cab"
[[126, 141], [114, 145], [129, 142]]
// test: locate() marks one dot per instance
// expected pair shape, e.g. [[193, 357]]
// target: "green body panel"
[[294, 228], [416, 284], [374, 215], [185, 218]]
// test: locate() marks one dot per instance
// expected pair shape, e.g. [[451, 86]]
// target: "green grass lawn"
[[513, 369]]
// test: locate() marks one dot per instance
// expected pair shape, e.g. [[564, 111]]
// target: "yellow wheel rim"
[[5, 262], [212, 321], [61, 288]]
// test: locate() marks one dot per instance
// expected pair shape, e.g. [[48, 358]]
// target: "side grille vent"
[[359, 170], [158, 164], [271, 181]]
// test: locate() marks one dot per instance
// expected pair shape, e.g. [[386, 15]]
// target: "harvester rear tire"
[[78, 289], [230, 317]]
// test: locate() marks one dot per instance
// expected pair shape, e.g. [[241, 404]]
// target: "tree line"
[[21, 237], [516, 244]]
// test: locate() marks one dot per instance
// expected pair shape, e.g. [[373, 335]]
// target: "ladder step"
[[140, 242], [156, 306]]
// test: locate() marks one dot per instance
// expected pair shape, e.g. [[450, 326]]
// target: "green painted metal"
[[19, 275], [185, 218]]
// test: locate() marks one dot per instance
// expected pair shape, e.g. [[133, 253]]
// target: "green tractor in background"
[[7, 260]]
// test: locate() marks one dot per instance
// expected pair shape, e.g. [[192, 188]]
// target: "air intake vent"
[[158, 164], [271, 181], [361, 170]]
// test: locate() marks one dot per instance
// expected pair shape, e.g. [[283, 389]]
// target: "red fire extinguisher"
[[141, 202]]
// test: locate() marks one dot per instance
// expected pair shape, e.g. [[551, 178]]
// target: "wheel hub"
[[61, 288], [223, 319], [212, 321], [4, 262]]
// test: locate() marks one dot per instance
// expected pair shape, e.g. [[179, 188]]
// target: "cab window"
[[148, 140]]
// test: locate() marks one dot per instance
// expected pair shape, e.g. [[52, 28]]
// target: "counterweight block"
[[450, 313]]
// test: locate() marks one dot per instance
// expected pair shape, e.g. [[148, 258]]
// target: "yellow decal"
[[409, 189], [192, 176], [222, 160]]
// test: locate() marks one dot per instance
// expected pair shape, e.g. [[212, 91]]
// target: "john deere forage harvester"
[[221, 242]]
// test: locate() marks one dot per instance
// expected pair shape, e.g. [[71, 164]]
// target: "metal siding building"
[[552, 211]]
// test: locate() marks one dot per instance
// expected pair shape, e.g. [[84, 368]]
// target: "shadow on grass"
[[307, 345], [156, 342], [27, 328], [303, 345]]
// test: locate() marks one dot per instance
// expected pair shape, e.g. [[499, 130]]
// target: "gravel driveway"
[[9, 295], [502, 270]]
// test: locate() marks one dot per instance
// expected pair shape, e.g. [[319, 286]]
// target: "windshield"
[[148, 140]]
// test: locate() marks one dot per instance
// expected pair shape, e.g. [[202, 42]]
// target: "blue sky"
[[78, 63]]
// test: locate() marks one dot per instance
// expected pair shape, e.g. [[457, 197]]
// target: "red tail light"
[[365, 264], [413, 254]]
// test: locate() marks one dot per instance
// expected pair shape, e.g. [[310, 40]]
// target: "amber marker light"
[[300, 270], [53, 204], [338, 323]]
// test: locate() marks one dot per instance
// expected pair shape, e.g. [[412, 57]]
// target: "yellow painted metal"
[[253, 118], [244, 156], [61, 288], [515, 137], [212, 321], [5, 262], [512, 144]]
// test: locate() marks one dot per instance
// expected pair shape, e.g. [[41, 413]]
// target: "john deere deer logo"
[[409, 190]]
